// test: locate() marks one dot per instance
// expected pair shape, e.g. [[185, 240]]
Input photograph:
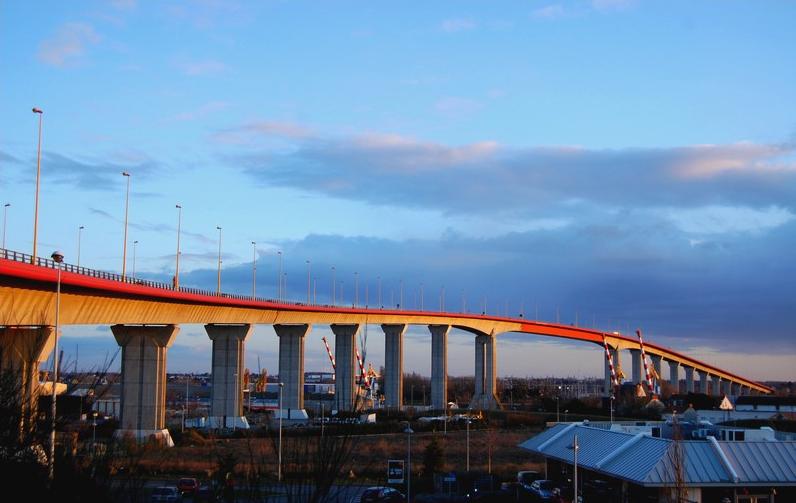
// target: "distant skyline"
[[611, 163]]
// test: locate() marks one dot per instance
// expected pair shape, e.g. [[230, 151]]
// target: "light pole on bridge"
[[254, 270], [309, 282], [177, 258], [38, 177], [135, 245], [79, 236], [5, 220], [218, 282], [58, 258], [126, 209]]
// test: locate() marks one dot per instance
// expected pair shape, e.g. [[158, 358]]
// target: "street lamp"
[[126, 208], [58, 257], [356, 289], [334, 288], [612, 408], [177, 261], [442, 299], [218, 285], [135, 245], [79, 236], [421, 296], [378, 278], [575, 448], [309, 282], [558, 398], [5, 219], [254, 271], [38, 177], [408, 432], [279, 278], [94, 430], [279, 472]]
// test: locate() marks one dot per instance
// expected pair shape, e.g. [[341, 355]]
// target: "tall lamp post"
[[218, 282], [254, 271], [356, 289], [177, 259], [38, 177], [408, 432], [135, 246], [279, 278], [126, 208], [58, 257], [279, 470], [5, 220], [309, 282], [467, 424], [79, 237]]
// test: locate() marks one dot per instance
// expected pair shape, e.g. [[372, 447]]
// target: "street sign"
[[395, 471]]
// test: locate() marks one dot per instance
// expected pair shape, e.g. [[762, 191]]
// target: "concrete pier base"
[[725, 388], [345, 396], [703, 381], [291, 369], [716, 386], [674, 376], [485, 396], [393, 365], [689, 379], [638, 369], [143, 386], [226, 395], [439, 366], [22, 350]]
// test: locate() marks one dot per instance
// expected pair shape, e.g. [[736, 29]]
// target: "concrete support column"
[[394, 365], [725, 388], [745, 390], [657, 360], [344, 392], [439, 366], [608, 387], [674, 376], [703, 381], [226, 395], [143, 386], [689, 379], [638, 370], [716, 391], [22, 349], [735, 389], [291, 369], [485, 396]]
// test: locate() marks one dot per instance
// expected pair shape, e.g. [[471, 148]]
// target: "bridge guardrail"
[[95, 273]]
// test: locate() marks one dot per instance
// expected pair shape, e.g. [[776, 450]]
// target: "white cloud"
[[457, 24], [708, 220], [68, 45], [205, 67], [252, 132], [552, 11]]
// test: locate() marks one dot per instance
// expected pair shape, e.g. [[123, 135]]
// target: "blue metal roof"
[[649, 461]]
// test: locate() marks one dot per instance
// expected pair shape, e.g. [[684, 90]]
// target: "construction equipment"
[[610, 359], [644, 360]]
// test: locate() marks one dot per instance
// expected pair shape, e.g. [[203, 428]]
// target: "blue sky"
[[620, 163]]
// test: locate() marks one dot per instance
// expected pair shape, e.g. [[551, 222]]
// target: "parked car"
[[187, 486], [165, 493], [527, 477], [382, 494], [544, 491]]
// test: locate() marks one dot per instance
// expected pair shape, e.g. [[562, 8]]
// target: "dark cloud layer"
[[484, 177], [721, 296]]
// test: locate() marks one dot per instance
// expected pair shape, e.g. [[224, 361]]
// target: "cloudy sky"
[[609, 163]]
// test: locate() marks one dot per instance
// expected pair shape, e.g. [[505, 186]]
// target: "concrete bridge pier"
[[22, 349], [291, 369], [608, 386], [703, 381], [439, 366], [716, 386], [657, 360], [226, 395], [345, 396], [394, 365], [725, 388], [143, 386], [485, 395], [638, 370], [674, 376], [689, 379], [735, 389]]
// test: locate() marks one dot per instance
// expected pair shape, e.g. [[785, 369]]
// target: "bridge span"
[[145, 316]]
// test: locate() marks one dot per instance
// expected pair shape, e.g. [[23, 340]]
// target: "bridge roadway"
[[144, 317]]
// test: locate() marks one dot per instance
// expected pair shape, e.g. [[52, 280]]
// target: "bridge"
[[144, 317]]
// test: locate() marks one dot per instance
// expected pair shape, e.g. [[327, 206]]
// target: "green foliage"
[[433, 457]]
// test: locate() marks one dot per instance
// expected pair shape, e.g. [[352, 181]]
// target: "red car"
[[188, 486]]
